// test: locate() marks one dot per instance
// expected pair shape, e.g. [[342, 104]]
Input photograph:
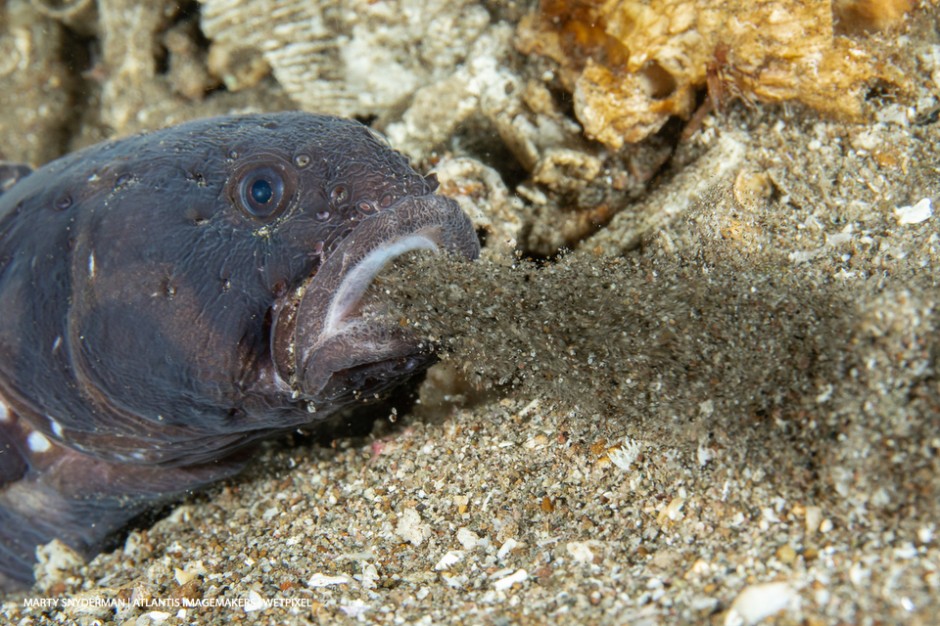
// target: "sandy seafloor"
[[734, 419]]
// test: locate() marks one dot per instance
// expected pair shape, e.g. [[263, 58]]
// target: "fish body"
[[168, 299]]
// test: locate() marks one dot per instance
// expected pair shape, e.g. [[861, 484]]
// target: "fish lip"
[[318, 331]]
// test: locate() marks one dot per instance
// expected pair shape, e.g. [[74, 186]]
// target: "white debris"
[[925, 534], [455, 582], [580, 551], [758, 602], [411, 528], [802, 256], [270, 513], [626, 455], [355, 609], [450, 558], [519, 576], [183, 576], [914, 214], [153, 617], [868, 139], [467, 538], [369, 578], [325, 580], [836, 239], [54, 560], [859, 575], [254, 602], [508, 546], [704, 455]]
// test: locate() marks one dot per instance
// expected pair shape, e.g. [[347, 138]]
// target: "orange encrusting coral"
[[632, 64]]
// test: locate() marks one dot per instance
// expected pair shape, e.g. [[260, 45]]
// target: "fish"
[[170, 299]]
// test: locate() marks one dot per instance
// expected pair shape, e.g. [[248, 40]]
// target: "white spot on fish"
[[56, 427], [4, 413], [133, 457], [56, 343], [91, 265], [37, 442]]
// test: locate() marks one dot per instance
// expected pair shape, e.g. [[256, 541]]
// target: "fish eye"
[[262, 190]]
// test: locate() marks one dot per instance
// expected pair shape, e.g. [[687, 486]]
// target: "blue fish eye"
[[262, 192]]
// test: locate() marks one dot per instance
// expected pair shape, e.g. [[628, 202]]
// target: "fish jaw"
[[322, 344]]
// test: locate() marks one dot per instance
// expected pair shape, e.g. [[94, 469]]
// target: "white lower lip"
[[357, 280]]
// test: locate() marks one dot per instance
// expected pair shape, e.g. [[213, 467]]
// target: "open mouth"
[[322, 345]]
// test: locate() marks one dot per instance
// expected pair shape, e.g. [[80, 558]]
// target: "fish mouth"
[[322, 345]]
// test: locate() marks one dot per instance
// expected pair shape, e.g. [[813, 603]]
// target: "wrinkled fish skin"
[[170, 298]]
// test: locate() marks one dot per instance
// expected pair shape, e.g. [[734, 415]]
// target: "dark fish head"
[[207, 279]]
